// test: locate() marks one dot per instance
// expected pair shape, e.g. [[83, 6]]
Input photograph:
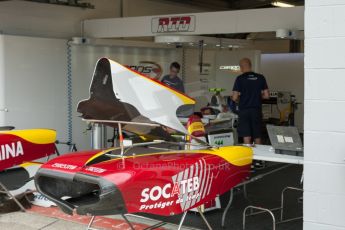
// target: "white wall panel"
[[322, 115], [325, 53], [324, 197], [324, 146], [33, 80], [324, 209], [34, 83], [197, 84], [324, 3], [309, 225], [316, 19], [225, 78], [334, 186], [285, 72], [323, 80]]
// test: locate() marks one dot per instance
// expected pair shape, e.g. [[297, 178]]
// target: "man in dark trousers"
[[249, 90], [172, 80]]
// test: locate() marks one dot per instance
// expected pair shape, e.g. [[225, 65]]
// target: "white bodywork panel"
[[152, 99]]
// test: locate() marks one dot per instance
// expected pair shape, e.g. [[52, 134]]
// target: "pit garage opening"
[[48, 53]]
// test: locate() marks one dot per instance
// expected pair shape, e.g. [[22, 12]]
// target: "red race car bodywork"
[[162, 183], [18, 146], [140, 178]]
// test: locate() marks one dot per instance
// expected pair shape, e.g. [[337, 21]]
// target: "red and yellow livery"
[[162, 183], [19, 146], [145, 177]]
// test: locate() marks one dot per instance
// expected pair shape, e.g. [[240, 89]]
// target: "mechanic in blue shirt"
[[172, 80], [249, 90]]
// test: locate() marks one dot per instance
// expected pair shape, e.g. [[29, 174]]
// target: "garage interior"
[[49, 50]]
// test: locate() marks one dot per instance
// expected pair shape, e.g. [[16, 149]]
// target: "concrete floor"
[[34, 221], [30, 221], [264, 193]]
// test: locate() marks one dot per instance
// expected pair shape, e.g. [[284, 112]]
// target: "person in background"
[[172, 80], [249, 90]]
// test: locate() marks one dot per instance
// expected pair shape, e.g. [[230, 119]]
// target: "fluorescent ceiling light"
[[281, 4]]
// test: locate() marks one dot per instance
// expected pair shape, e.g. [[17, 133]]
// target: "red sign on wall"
[[173, 24]]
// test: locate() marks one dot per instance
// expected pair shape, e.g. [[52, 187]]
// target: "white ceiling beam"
[[223, 22]]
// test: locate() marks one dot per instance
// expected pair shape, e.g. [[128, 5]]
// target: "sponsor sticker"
[[42, 201], [148, 68], [64, 166], [187, 188], [234, 68], [95, 169], [12, 150], [173, 24]]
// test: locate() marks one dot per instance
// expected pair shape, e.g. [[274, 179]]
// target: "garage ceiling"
[[211, 5], [73, 3], [233, 4]]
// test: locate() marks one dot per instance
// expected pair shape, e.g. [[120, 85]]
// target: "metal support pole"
[[128, 222], [227, 207], [121, 138], [4, 190], [258, 177], [99, 136], [89, 226], [302, 178], [204, 218], [124, 216], [155, 226], [270, 211], [245, 193], [258, 208], [282, 201], [182, 220], [159, 224]]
